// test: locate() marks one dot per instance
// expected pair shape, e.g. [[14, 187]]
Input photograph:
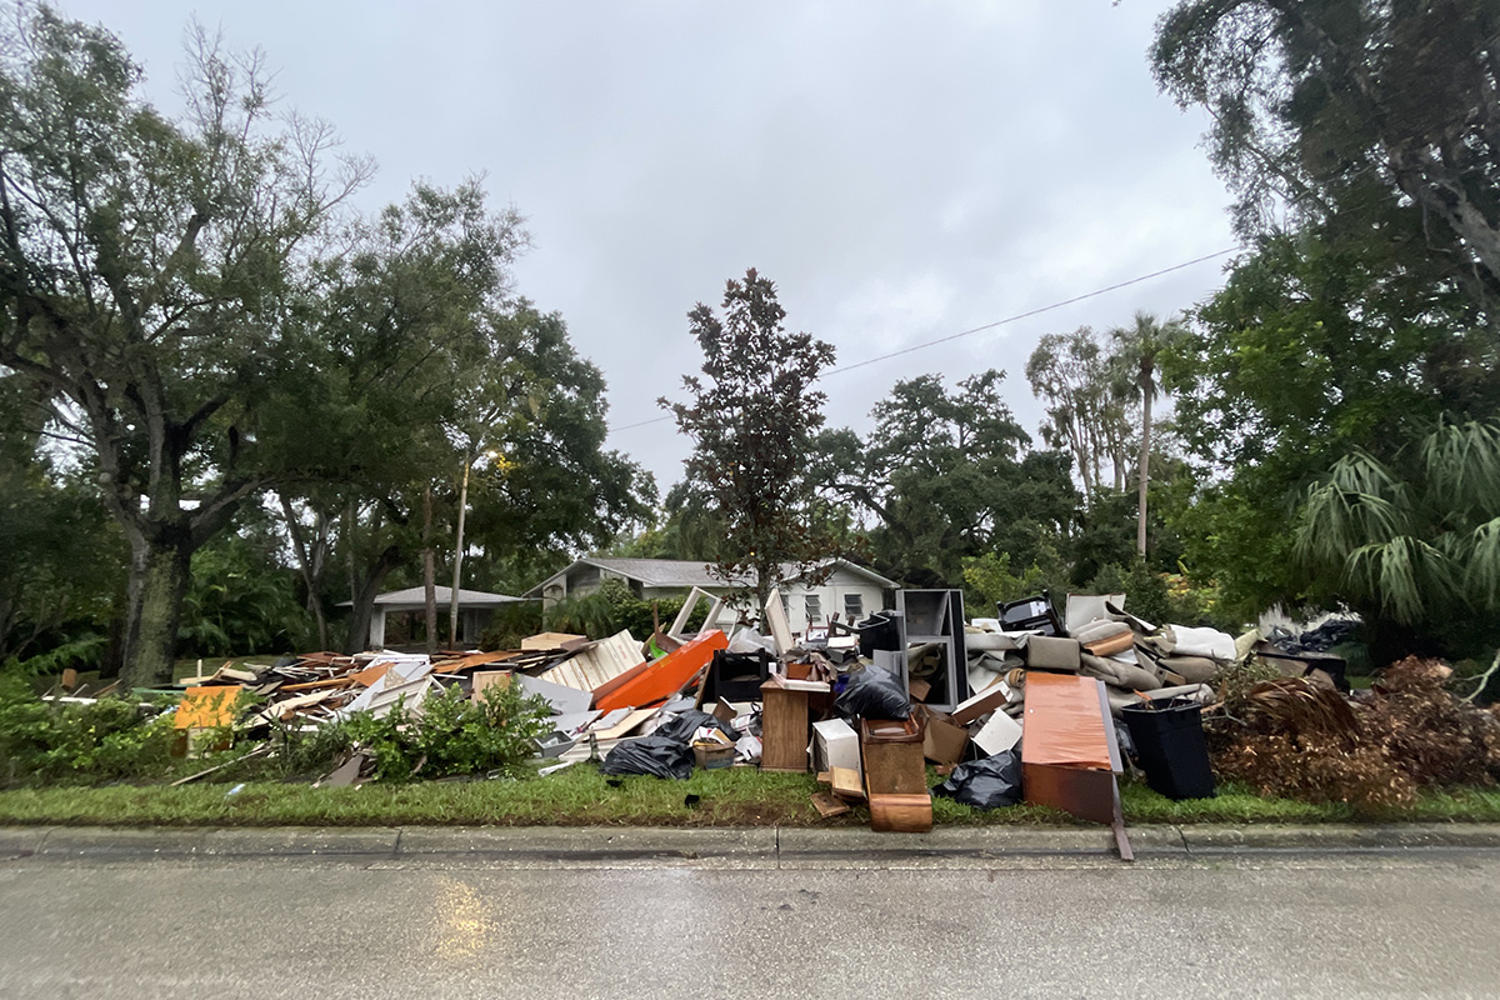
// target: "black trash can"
[[1169, 744]]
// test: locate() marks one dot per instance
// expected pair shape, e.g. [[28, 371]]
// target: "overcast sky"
[[903, 171]]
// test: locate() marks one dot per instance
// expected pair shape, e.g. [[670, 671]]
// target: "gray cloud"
[[903, 171]]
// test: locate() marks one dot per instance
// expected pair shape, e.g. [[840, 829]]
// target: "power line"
[[987, 326]]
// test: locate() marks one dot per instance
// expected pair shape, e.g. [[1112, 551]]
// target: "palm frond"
[[1462, 464], [1482, 566], [1409, 577], [1359, 502], [1296, 706]]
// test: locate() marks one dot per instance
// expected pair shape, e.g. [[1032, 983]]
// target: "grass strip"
[[581, 796]]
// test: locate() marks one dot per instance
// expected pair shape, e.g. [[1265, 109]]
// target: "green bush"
[[450, 735], [614, 607], [49, 743], [1162, 598]]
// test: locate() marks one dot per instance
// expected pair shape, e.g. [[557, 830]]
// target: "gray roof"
[[686, 573], [417, 597]]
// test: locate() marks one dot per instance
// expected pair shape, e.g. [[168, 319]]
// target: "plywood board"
[[633, 720], [828, 806], [847, 783], [781, 629], [551, 640], [485, 679], [783, 723], [206, 707]]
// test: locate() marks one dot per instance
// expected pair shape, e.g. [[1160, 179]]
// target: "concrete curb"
[[742, 845]]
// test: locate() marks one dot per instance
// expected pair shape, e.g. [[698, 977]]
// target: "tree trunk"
[[458, 557], [364, 598], [310, 564], [160, 570], [429, 571], [1144, 473]]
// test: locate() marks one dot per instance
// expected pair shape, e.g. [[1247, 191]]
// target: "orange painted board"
[[371, 674], [207, 707], [1064, 723], [662, 678]]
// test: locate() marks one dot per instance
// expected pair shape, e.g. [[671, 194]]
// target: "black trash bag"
[[874, 693], [653, 755], [882, 630], [985, 784], [685, 725]]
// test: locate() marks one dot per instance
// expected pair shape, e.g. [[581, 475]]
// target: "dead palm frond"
[[1292, 705]]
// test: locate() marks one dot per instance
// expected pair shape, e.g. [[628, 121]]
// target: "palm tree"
[[1137, 350], [1418, 539]]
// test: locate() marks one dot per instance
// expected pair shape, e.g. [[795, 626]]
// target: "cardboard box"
[[991, 699], [711, 756], [999, 734], [943, 740]]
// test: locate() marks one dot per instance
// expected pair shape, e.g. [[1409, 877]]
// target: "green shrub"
[[451, 734], [47, 743], [614, 607]]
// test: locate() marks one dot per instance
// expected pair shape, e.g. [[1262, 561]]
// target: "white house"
[[850, 591]]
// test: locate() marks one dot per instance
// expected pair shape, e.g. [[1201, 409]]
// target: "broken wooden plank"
[[828, 806]]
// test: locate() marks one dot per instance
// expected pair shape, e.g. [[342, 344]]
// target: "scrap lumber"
[[847, 783], [258, 751], [828, 806], [597, 663], [544, 641], [206, 707]]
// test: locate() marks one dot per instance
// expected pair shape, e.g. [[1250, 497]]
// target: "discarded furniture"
[[892, 754], [783, 727], [657, 680], [1030, 614], [936, 617], [1069, 755], [1052, 653], [735, 676], [901, 813], [678, 630]]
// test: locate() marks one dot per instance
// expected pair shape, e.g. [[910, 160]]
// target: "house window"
[[854, 607], [813, 605]]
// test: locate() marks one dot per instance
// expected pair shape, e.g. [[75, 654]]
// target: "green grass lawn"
[[581, 796]]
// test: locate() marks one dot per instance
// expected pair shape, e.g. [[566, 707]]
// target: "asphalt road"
[[1417, 923]]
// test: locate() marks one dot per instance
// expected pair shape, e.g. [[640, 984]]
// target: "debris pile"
[[1028, 705]]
